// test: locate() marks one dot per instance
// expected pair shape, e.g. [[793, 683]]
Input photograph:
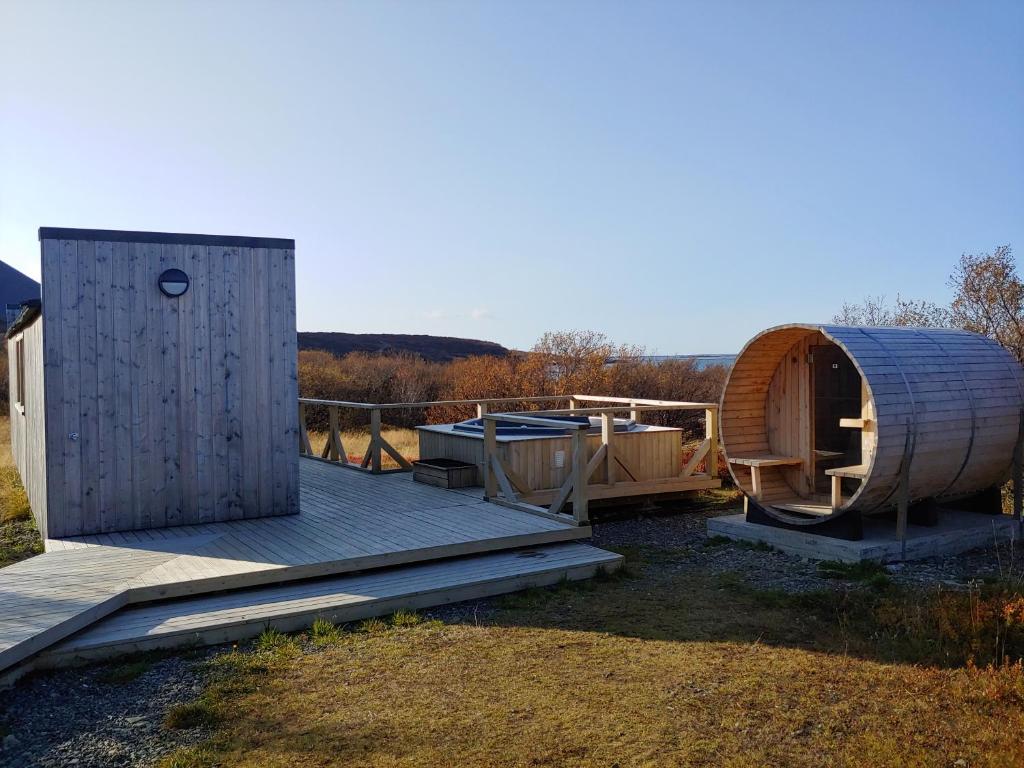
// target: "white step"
[[230, 616]]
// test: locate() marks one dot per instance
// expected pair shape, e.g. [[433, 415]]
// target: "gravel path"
[[82, 717], [685, 535]]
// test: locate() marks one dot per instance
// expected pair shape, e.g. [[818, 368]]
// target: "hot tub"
[[514, 429], [540, 458]]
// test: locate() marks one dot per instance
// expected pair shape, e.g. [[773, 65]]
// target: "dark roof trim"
[[170, 238], [30, 310]]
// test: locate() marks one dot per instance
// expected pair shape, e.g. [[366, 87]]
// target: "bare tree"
[[910, 313], [989, 298]]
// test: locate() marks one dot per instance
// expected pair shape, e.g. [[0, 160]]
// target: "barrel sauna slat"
[[953, 397]]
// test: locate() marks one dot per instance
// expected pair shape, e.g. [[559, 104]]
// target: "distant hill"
[[14, 289], [438, 348]]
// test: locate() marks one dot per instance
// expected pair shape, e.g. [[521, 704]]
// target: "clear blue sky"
[[677, 175]]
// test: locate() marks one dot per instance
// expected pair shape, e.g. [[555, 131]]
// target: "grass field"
[[660, 667], [405, 441], [18, 536]]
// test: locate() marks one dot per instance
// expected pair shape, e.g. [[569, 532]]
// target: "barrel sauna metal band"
[[908, 451], [970, 399], [1020, 391]]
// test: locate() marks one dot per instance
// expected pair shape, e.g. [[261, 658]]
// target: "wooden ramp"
[[226, 617], [349, 521]]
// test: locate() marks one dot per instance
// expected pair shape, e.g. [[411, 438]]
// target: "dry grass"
[[405, 441], [18, 536], [640, 671]]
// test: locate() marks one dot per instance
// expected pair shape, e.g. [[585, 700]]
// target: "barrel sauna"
[[820, 422]]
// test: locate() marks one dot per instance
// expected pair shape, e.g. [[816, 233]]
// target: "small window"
[[19, 373]]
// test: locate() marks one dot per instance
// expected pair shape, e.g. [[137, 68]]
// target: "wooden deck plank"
[[349, 521], [244, 613]]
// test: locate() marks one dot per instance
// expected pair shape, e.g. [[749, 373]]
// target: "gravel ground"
[[81, 717], [686, 536]]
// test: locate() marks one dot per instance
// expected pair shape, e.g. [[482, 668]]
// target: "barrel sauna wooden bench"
[[823, 424]]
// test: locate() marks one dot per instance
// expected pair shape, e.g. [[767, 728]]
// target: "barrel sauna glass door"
[[837, 395]]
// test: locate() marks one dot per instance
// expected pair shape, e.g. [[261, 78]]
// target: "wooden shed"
[[822, 423], [156, 384]]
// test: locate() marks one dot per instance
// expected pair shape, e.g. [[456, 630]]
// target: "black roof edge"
[[169, 238], [30, 310]]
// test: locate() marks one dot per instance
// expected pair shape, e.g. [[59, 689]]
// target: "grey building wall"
[[167, 411], [28, 426]]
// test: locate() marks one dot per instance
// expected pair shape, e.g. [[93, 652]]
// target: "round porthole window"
[[173, 283]]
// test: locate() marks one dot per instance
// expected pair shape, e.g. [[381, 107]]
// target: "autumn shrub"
[[980, 625], [560, 364], [368, 378]]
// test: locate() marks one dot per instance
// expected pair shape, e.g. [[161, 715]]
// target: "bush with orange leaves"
[[981, 625], [560, 363], [580, 362], [366, 378]]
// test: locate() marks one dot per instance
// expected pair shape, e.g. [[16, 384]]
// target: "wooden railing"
[[372, 460], [500, 485]]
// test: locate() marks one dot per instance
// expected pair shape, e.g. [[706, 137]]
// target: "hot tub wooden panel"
[[647, 453]]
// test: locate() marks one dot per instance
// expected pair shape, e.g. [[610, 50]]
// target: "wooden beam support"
[[334, 435], [634, 414], [837, 492], [698, 455], [490, 449], [579, 466], [711, 432], [304, 446], [563, 495], [375, 441], [394, 454], [608, 443], [595, 462], [503, 483]]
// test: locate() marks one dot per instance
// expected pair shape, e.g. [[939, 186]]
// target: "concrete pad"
[[956, 532]]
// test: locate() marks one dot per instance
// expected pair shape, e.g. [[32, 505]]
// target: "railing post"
[[607, 434], [579, 483], [481, 410], [711, 433], [375, 464], [573, 405], [634, 414], [304, 447], [332, 426], [490, 450]]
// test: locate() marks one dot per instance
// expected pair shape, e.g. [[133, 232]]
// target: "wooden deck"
[[348, 522], [230, 616]]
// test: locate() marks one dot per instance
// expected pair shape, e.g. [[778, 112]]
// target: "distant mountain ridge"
[[14, 289], [438, 348]]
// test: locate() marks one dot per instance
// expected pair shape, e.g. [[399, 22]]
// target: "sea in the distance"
[[700, 361]]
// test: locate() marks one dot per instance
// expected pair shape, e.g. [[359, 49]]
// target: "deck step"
[[225, 617], [349, 522]]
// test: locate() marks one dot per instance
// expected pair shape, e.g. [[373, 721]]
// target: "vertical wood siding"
[[184, 407], [651, 453], [959, 396], [28, 427]]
